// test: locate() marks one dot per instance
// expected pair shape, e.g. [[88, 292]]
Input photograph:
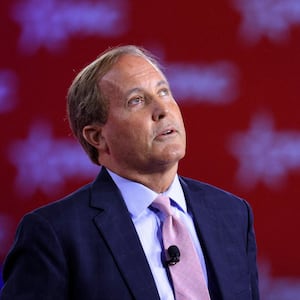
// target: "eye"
[[135, 100], [164, 92]]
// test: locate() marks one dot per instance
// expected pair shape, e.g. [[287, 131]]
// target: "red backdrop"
[[234, 67]]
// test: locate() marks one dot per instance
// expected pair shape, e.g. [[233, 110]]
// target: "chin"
[[173, 157]]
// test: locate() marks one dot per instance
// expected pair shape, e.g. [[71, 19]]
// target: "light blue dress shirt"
[[147, 223]]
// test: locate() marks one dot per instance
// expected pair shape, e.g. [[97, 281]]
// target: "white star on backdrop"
[[45, 163], [264, 154], [50, 23], [216, 83], [270, 18]]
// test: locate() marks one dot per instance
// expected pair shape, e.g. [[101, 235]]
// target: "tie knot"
[[162, 203]]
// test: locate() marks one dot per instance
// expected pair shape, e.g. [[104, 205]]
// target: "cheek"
[[125, 135], [128, 132]]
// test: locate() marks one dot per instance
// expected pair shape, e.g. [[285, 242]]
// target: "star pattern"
[[45, 163], [215, 83], [50, 23], [264, 154], [273, 18]]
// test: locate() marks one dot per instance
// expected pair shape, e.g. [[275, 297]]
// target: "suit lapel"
[[116, 227]]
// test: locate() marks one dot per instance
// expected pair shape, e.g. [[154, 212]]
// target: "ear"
[[93, 135]]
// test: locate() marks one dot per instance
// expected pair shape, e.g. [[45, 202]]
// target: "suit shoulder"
[[194, 184], [213, 194], [73, 201]]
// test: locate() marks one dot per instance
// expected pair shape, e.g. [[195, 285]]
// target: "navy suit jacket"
[[85, 247]]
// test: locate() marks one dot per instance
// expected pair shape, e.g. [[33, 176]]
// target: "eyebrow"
[[137, 89]]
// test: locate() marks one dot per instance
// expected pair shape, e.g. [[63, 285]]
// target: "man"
[[104, 240]]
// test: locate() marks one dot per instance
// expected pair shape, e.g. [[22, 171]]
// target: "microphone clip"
[[174, 255]]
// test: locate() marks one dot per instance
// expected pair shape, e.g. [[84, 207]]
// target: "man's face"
[[144, 131]]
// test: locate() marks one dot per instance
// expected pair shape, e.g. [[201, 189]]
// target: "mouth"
[[166, 132]]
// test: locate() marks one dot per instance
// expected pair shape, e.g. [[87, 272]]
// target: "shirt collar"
[[138, 197]]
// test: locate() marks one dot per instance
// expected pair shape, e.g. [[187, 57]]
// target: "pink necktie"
[[187, 275]]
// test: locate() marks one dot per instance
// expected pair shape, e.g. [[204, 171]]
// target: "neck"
[[158, 181]]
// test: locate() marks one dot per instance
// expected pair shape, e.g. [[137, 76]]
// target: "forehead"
[[131, 67]]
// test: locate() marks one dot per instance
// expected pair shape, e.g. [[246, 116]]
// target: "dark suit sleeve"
[[35, 268], [251, 251]]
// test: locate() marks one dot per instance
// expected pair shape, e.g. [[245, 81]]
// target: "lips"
[[169, 131], [166, 131]]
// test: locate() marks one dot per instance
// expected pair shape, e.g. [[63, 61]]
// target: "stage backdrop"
[[234, 66]]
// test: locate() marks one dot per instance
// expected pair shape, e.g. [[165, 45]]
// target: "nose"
[[160, 109]]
